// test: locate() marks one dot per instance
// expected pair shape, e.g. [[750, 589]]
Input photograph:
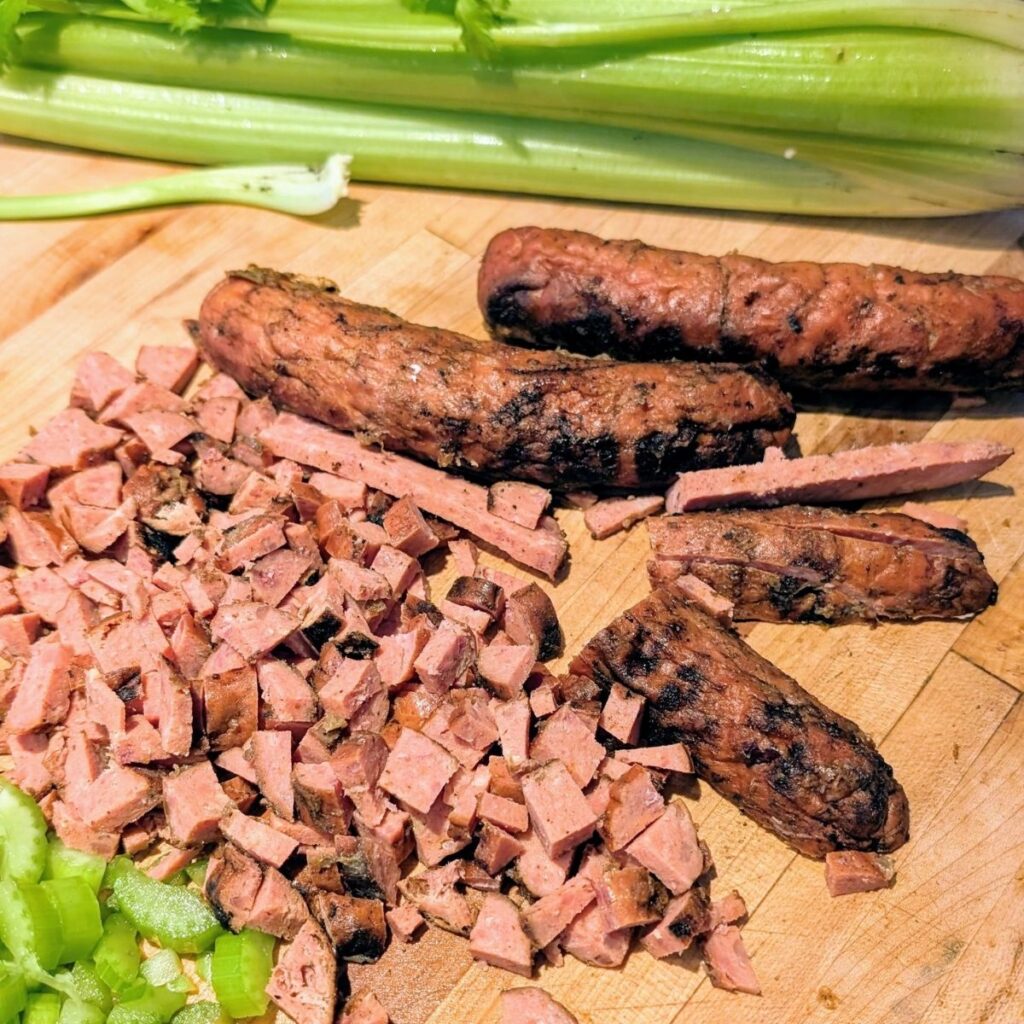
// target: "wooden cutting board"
[[946, 943]]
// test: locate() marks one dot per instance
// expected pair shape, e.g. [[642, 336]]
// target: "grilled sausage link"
[[493, 410], [821, 325], [794, 766], [798, 564]]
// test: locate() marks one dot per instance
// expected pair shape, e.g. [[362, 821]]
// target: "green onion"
[[41, 1008], [12, 992], [78, 912], [175, 917], [241, 969], [22, 833], [429, 147], [117, 958], [63, 862]]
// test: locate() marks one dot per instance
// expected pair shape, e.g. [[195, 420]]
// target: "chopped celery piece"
[[174, 917], [200, 1013], [196, 871], [78, 912], [204, 965], [163, 967], [88, 987], [63, 862], [12, 992], [241, 969], [41, 1008], [117, 956], [75, 1011], [121, 1014], [29, 926], [155, 999], [23, 834]]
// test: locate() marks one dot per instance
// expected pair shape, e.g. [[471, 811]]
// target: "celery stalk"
[[523, 25], [881, 85], [430, 147], [288, 188]]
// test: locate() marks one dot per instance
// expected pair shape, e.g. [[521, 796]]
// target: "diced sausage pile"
[[209, 648]]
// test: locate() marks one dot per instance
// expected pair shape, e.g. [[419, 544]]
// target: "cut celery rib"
[[881, 85], [514, 25], [287, 188], [400, 145]]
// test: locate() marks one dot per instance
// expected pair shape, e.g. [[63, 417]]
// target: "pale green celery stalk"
[[435, 148], [914, 87], [386, 24], [522, 25], [956, 176], [287, 188]]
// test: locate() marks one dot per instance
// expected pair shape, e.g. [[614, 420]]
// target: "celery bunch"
[[909, 108]]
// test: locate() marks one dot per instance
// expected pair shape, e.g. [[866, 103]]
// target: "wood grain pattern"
[[946, 944]]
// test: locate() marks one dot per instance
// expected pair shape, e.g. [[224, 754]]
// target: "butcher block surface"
[[942, 699]]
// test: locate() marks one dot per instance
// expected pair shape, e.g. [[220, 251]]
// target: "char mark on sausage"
[[799, 564], [814, 325], [492, 410], [790, 763]]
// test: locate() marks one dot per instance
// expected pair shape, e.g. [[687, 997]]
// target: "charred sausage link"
[[794, 766], [494, 410], [835, 325], [798, 564]]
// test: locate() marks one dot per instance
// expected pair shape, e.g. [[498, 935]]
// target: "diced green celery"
[[204, 1012], [63, 862], [162, 967], [117, 957], [89, 988], [155, 999], [75, 1011], [123, 1015], [78, 911], [29, 926], [174, 917], [23, 832], [196, 871], [241, 969], [12, 992], [41, 1008], [204, 966]]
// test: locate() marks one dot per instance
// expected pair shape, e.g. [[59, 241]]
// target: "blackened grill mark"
[[357, 646], [794, 324], [322, 630], [551, 640], [650, 454], [505, 307], [579, 457], [520, 407], [159, 543], [756, 754]]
